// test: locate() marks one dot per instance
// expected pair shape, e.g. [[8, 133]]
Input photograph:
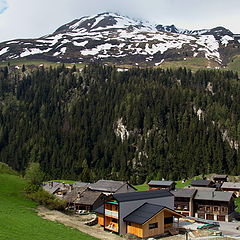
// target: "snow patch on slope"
[[33, 51], [4, 50]]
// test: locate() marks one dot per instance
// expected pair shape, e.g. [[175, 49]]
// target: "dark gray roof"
[[143, 213], [220, 176], [107, 185], [231, 185], [52, 187], [88, 197], [132, 196], [71, 195], [201, 182], [80, 184], [213, 196], [210, 189], [161, 183], [100, 209], [184, 192]]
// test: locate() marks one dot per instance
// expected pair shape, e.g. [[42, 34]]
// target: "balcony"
[[110, 213]]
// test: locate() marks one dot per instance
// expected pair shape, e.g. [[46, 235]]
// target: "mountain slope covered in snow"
[[109, 37]]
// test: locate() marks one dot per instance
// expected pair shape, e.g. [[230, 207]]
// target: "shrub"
[[48, 200]]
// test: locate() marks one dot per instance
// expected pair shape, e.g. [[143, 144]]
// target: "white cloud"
[[3, 6], [34, 18]]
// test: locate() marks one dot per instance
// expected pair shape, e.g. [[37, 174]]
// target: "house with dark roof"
[[58, 189], [232, 187], [216, 205], [151, 220], [157, 185], [202, 183], [183, 201], [140, 213], [220, 178], [111, 186], [89, 200], [81, 198]]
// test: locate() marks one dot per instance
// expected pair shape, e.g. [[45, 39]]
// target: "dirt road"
[[77, 222]]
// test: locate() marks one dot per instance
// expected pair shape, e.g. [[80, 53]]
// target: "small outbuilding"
[[158, 185], [220, 178], [202, 183]]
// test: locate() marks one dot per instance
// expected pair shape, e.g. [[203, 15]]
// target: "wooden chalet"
[[202, 183], [232, 187], [220, 178], [111, 186], [151, 220], [89, 201], [157, 185], [119, 213], [57, 188], [216, 205], [183, 201], [81, 198]]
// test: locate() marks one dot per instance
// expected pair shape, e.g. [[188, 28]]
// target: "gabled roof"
[[52, 187], [220, 176], [80, 184], [145, 212], [108, 185], [231, 185], [184, 192], [70, 196], [213, 196], [133, 196], [160, 183], [201, 182], [88, 197]]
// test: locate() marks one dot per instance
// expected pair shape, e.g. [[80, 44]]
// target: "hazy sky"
[[35, 18]]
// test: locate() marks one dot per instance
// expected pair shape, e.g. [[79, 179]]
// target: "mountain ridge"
[[110, 37]]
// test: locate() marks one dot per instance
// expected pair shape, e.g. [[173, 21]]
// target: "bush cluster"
[[46, 199]]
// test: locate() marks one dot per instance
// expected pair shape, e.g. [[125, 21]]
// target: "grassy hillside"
[[190, 63], [19, 220], [20, 62], [4, 168], [234, 65]]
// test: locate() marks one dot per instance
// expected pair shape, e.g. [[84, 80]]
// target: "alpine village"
[[141, 123]]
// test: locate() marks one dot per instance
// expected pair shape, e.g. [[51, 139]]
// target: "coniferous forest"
[[135, 125]]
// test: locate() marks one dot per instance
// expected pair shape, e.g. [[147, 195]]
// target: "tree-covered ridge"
[[134, 125]]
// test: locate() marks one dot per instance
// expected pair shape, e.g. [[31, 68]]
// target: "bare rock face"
[[109, 37]]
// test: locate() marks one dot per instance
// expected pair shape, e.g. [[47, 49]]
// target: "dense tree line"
[[177, 123]]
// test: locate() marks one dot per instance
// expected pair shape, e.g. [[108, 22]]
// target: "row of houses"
[[149, 213], [205, 199]]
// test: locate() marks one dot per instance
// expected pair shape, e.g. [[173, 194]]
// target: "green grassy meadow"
[[19, 220], [234, 65]]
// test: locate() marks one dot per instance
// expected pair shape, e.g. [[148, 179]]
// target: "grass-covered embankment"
[[19, 220]]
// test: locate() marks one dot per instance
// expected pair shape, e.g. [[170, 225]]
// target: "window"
[[168, 220], [200, 208], [114, 220], [208, 209], [153, 225], [185, 207], [215, 209]]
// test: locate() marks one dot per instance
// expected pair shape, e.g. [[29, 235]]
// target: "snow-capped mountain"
[[114, 38]]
